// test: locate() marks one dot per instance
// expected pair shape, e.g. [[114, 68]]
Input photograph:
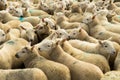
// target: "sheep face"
[[25, 3], [42, 28], [44, 6], [18, 12], [87, 20], [24, 52], [61, 33], [75, 33], [11, 9], [107, 47], [46, 46], [30, 35], [2, 36], [3, 2]]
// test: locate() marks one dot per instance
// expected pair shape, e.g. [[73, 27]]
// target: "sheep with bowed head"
[[53, 70], [77, 68], [23, 74]]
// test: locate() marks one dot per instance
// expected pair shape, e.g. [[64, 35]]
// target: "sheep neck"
[[67, 47], [97, 48], [61, 19], [29, 58], [92, 24], [57, 53], [7, 17], [60, 56]]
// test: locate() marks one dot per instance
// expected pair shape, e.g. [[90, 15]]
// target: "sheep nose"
[[21, 16], [68, 37], [39, 49], [16, 56], [31, 40], [113, 52], [5, 4]]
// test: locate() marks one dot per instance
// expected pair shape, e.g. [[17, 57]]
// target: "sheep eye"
[[106, 46], [3, 34], [16, 11], [73, 33], [41, 27], [60, 33], [23, 51], [48, 46]]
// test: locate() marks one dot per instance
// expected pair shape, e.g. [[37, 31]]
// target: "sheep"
[[61, 20], [23, 74], [107, 25], [50, 22], [5, 17], [81, 34], [105, 47], [9, 25], [53, 70], [3, 4], [112, 75], [27, 32], [43, 30], [116, 19], [98, 31], [8, 49], [15, 11], [77, 68], [12, 34], [33, 12], [87, 57]]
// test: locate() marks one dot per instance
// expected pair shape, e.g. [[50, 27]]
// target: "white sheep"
[[87, 57], [23, 74], [9, 49], [5, 17], [53, 70], [62, 21], [112, 75], [104, 47], [98, 31], [81, 34], [77, 68]]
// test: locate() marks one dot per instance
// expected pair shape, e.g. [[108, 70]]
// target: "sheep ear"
[[32, 48], [26, 9], [80, 29], [8, 30], [94, 17], [100, 42], [109, 39], [22, 27], [52, 36]]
